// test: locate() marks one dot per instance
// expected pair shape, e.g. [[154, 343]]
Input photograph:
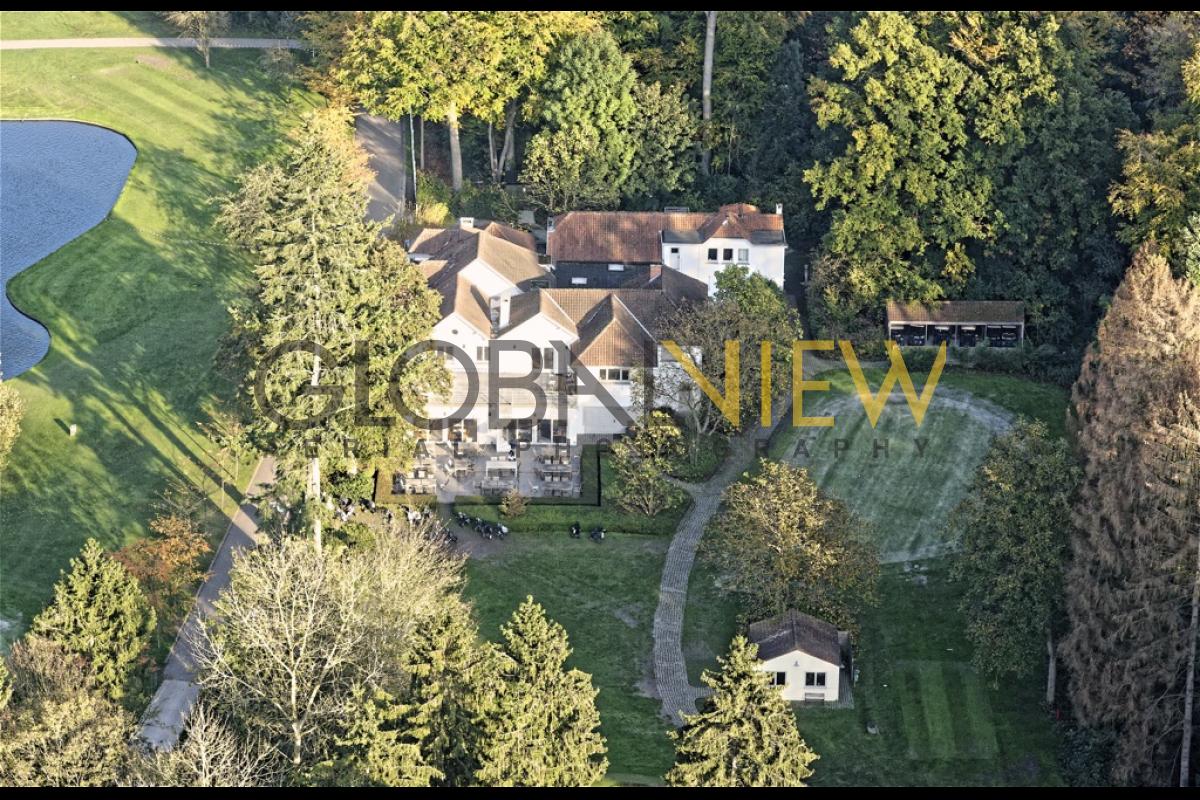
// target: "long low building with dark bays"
[[959, 323]]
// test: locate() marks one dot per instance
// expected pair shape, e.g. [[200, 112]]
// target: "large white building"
[[602, 249], [497, 297]]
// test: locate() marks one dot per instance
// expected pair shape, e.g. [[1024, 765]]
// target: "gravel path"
[[149, 41]]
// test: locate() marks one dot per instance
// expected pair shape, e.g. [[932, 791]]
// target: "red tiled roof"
[[458, 247], [635, 237]]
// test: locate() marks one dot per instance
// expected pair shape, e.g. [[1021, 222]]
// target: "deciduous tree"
[[1013, 526], [203, 26], [12, 408], [782, 543]]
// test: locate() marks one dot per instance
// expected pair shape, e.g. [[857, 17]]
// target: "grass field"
[[72, 24], [604, 595], [904, 478], [938, 723], [135, 307]]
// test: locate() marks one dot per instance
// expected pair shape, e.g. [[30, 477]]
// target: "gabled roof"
[[794, 630], [459, 247], [508, 233], [636, 237], [612, 325], [997, 312], [525, 307], [459, 296], [612, 336]]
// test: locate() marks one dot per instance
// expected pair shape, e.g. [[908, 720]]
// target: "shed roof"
[[997, 312], [794, 630]]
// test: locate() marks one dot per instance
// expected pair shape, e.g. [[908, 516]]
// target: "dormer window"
[[578, 281], [616, 267]]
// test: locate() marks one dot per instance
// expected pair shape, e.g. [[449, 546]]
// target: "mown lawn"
[[938, 722], [904, 478], [605, 596], [135, 307], [96, 24]]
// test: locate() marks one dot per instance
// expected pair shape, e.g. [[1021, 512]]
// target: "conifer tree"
[[382, 744], [1132, 575], [326, 281], [746, 734], [99, 613], [446, 668], [543, 729]]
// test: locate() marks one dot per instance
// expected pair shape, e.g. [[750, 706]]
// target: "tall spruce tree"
[[449, 684], [543, 729], [1132, 577], [325, 278], [99, 613], [746, 734]]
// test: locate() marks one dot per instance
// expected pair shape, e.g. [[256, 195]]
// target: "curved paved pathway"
[[670, 668], [223, 43], [167, 713]]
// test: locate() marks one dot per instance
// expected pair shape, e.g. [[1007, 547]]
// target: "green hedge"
[[557, 519]]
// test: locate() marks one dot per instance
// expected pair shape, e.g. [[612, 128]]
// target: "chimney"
[[779, 209], [466, 223], [505, 308]]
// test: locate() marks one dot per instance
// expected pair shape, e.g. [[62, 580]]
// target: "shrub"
[[357, 487], [513, 505]]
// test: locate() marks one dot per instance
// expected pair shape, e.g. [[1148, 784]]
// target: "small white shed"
[[805, 656]]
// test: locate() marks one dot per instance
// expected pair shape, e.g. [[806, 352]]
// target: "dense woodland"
[[1047, 158]]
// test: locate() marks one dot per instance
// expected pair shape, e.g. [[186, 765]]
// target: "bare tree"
[[299, 627], [210, 755], [203, 26]]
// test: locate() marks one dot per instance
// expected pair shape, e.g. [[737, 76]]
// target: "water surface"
[[57, 180]]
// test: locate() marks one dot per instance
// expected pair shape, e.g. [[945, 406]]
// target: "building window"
[[816, 679], [728, 255], [779, 679], [616, 267], [743, 255], [578, 281], [674, 251], [614, 374], [548, 358], [712, 254]]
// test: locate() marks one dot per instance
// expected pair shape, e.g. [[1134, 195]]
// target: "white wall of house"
[[795, 667], [457, 331], [694, 260], [540, 331]]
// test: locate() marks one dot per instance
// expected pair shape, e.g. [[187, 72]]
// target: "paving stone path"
[[670, 669]]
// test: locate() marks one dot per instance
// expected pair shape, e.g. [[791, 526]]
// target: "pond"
[[57, 180]]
